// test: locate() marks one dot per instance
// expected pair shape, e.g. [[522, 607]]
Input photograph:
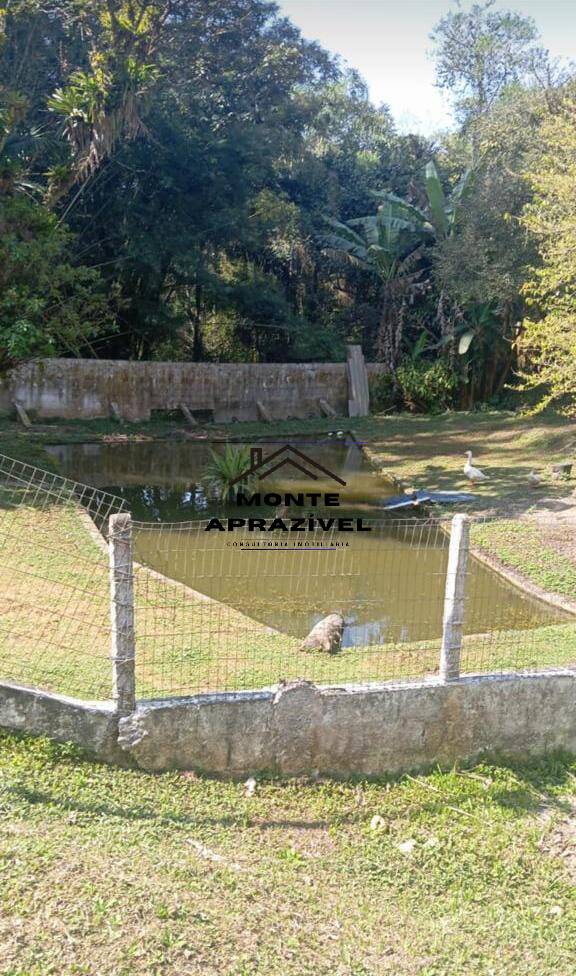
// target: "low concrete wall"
[[300, 728], [93, 725], [85, 388]]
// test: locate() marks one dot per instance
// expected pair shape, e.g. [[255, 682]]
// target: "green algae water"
[[387, 582]]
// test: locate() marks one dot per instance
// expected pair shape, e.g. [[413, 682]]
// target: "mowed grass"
[[54, 616], [419, 451], [467, 872], [54, 602], [524, 546], [55, 628], [428, 452], [425, 451]]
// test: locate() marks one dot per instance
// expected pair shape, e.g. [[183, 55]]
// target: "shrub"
[[426, 387], [225, 468], [381, 392]]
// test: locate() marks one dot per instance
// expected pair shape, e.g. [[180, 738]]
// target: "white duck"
[[473, 474], [535, 480]]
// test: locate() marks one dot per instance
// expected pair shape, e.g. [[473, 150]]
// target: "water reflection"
[[388, 585], [166, 481]]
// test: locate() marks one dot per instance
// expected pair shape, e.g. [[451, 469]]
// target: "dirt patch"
[[556, 519], [561, 843]]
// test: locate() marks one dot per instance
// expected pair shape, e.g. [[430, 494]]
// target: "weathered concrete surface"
[[363, 730], [359, 393], [93, 725], [366, 730], [88, 388], [72, 388]]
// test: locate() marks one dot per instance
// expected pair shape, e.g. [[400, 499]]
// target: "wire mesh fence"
[[241, 607], [220, 611], [54, 601], [244, 606]]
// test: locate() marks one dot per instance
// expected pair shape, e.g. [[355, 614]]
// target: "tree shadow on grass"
[[143, 814], [535, 786]]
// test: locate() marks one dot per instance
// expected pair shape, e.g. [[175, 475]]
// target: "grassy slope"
[[427, 452], [54, 618], [54, 609], [525, 547], [109, 872]]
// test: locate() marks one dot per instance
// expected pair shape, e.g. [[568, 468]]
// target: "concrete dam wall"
[[87, 388]]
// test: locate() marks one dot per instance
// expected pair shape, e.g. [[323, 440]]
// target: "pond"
[[165, 481], [387, 582]]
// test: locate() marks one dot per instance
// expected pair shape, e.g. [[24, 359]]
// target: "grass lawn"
[[528, 548], [428, 452], [469, 872]]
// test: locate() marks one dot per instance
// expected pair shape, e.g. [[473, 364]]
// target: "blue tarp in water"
[[416, 498]]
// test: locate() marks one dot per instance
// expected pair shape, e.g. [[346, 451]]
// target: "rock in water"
[[326, 635]]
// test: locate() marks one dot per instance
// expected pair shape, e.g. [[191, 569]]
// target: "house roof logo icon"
[[287, 455]]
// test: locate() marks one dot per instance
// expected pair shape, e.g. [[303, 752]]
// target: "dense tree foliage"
[[191, 179], [548, 342]]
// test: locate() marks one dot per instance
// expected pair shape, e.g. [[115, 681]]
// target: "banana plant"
[[480, 320], [388, 245], [440, 216], [484, 345], [380, 242]]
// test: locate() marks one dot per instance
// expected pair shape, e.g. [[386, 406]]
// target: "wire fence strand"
[[230, 612]]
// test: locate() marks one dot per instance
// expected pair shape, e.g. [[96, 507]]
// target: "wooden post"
[[454, 598], [122, 612]]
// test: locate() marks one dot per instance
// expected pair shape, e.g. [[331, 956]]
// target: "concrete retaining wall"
[[300, 728], [86, 388], [93, 725]]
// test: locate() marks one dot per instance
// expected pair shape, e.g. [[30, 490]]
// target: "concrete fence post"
[[358, 389], [454, 595], [122, 612]]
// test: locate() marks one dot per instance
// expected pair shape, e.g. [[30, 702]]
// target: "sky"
[[388, 42]]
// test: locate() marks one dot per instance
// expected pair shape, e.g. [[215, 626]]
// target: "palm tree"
[[388, 245]]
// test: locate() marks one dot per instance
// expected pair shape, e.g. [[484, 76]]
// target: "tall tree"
[[483, 267], [480, 53]]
